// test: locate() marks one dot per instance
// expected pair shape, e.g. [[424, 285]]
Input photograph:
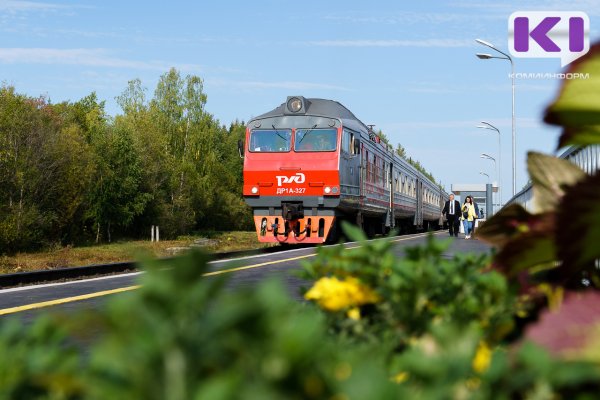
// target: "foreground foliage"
[[412, 292], [182, 335], [449, 327], [552, 249]]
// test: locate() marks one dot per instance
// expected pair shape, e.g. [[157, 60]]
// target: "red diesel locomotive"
[[310, 163]]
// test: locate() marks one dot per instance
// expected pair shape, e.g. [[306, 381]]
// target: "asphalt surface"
[[28, 302]]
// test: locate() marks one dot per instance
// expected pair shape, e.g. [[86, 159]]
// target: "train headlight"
[[294, 104], [327, 190], [254, 190]]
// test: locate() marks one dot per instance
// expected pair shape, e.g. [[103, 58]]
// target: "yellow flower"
[[334, 294], [343, 371], [483, 356], [354, 313], [400, 377]]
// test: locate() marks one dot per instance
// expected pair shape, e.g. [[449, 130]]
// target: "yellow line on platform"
[[65, 300], [225, 271], [56, 302]]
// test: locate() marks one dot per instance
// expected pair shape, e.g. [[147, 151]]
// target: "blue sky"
[[407, 67]]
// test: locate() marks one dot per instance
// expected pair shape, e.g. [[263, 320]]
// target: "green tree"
[[45, 167], [116, 198], [383, 137], [401, 151], [151, 146], [177, 109]]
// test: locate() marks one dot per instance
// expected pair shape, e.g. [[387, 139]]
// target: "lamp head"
[[483, 42]]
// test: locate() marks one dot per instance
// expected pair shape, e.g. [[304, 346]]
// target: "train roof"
[[320, 108]]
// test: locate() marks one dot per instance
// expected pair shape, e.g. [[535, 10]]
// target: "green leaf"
[[353, 232], [526, 240], [502, 227], [549, 176], [578, 104], [527, 252], [583, 136], [578, 220]]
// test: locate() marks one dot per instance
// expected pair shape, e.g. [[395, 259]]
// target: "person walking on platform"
[[452, 212], [468, 216]]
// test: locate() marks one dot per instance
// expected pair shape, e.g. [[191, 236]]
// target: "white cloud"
[[84, 57], [23, 6], [288, 85], [404, 17], [394, 43]]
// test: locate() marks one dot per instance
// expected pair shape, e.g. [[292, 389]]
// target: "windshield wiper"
[[277, 132], [306, 133]]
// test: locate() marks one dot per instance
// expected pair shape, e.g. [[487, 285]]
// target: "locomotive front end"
[[291, 172]]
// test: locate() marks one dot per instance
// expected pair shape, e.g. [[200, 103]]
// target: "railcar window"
[[373, 169], [270, 140], [315, 140], [388, 181], [374, 172]]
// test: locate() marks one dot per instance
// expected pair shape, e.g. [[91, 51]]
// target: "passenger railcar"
[[310, 163]]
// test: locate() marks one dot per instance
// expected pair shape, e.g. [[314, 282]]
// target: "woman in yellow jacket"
[[468, 216]]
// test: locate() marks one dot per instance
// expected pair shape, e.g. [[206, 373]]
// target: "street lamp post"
[[483, 173], [487, 125], [514, 143], [488, 157]]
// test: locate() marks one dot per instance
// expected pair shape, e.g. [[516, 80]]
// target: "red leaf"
[[570, 328]]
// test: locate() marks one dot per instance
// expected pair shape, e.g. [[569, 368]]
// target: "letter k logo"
[[539, 34]]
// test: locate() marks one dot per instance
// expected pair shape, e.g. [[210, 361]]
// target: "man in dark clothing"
[[452, 211]]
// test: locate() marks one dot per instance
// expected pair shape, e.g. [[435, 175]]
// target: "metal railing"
[[586, 158]]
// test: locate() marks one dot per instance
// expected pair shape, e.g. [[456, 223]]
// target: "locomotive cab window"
[[315, 140], [270, 140]]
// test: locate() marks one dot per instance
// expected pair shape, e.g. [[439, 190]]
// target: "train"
[[310, 164]]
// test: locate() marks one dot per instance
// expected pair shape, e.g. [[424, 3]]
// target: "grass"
[[125, 251]]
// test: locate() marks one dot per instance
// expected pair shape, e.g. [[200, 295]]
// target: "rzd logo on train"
[[298, 178]]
